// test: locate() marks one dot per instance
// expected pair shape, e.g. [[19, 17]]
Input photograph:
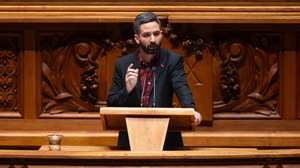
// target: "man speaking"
[[149, 76]]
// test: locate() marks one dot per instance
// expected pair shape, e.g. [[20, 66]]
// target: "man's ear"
[[136, 38]]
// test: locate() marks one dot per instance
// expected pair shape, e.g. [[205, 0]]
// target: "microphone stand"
[[154, 85]]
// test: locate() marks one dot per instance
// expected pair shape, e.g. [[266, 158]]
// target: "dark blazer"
[[170, 77]]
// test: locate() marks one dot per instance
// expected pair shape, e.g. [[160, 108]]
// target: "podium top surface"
[[133, 111], [114, 117]]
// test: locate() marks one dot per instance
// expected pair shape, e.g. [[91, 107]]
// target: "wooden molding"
[[298, 79], [223, 133], [198, 138], [201, 153], [188, 13]]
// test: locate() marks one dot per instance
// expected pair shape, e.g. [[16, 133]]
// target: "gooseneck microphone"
[[154, 85]]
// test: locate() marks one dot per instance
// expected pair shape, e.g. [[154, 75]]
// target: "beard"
[[153, 48]]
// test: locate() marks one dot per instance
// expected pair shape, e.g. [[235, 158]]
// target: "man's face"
[[149, 38]]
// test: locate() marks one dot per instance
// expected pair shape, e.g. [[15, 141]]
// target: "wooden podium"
[[147, 127]]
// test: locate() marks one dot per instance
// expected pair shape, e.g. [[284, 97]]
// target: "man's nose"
[[152, 38]]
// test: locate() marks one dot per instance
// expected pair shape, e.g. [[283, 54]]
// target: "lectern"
[[147, 127]]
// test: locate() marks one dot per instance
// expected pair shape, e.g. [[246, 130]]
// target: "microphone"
[[154, 85], [143, 87]]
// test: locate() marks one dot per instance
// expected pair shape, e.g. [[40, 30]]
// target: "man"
[[133, 82]]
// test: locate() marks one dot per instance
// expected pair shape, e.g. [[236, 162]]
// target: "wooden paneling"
[[297, 76], [259, 139], [200, 157], [176, 11], [224, 133], [288, 77], [202, 153], [62, 60], [243, 76], [187, 41], [246, 80], [76, 68], [31, 75], [11, 75], [70, 68]]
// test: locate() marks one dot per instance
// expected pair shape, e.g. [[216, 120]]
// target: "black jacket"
[[170, 77]]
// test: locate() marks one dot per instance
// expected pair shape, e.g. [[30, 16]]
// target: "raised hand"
[[131, 77]]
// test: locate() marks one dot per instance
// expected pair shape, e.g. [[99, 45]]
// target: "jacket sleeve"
[[180, 84], [117, 95]]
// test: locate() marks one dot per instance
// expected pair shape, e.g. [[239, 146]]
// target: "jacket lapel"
[[160, 67]]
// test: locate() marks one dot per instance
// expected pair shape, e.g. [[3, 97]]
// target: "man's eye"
[[146, 34], [156, 33]]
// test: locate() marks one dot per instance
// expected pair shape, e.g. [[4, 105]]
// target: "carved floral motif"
[[245, 68], [69, 68], [8, 75]]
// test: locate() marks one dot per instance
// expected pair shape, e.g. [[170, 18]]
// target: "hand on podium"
[[197, 119]]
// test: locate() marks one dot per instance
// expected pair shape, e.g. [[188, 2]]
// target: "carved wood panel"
[[245, 69], [76, 69], [246, 75], [11, 75], [233, 74], [253, 58], [71, 72]]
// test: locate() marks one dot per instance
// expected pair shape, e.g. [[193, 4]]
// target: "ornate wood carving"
[[71, 69], [247, 75], [69, 77], [10, 88], [245, 70], [191, 43], [245, 66]]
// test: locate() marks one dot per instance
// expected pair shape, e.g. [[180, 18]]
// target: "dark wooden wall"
[[235, 71], [241, 60]]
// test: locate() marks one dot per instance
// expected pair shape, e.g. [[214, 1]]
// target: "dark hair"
[[143, 18]]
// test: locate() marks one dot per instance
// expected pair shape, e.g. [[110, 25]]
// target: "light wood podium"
[[147, 127]]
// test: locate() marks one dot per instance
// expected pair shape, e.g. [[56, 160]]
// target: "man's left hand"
[[197, 119]]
